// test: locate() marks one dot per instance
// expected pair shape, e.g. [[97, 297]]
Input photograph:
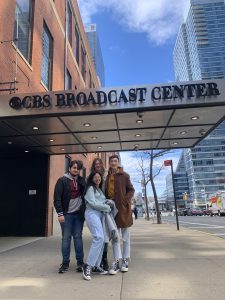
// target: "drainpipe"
[[65, 42]]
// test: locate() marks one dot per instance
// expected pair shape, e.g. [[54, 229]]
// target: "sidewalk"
[[165, 265]]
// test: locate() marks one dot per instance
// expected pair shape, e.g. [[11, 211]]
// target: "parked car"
[[206, 212], [195, 212], [185, 211], [180, 211]]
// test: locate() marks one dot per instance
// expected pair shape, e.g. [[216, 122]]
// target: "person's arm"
[[129, 190], [94, 203], [58, 192]]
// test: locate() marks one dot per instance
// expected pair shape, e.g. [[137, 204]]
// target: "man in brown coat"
[[120, 189]]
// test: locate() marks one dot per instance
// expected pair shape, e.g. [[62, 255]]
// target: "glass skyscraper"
[[96, 52], [200, 46], [205, 166], [199, 54], [181, 185]]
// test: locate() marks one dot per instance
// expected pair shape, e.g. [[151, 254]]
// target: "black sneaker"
[[63, 268], [104, 264], [124, 267], [79, 267], [99, 271], [115, 268], [87, 272]]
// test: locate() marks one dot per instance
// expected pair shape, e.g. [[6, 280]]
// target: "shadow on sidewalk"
[[165, 264]]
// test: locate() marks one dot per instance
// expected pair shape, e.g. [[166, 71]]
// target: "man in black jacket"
[[69, 205]]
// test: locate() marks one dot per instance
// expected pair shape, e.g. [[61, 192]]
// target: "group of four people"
[[76, 200]]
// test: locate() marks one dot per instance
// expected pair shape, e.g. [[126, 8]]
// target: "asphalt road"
[[213, 225]]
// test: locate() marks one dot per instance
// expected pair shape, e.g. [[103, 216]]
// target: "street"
[[213, 225]]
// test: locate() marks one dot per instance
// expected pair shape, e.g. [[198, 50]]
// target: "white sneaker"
[[87, 272], [124, 267], [115, 268]]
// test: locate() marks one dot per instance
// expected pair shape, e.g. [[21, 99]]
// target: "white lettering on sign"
[[32, 192]]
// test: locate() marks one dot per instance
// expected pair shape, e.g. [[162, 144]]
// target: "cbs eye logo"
[[15, 103], [29, 102]]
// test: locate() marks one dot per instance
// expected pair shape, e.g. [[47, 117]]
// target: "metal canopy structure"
[[119, 119]]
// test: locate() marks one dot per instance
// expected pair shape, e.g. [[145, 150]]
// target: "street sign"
[[167, 163]]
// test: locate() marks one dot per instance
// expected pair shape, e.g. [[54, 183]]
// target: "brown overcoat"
[[124, 191]]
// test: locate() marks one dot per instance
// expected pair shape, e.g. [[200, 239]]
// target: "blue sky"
[[137, 39]]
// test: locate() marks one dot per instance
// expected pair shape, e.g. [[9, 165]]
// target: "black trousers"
[[105, 252]]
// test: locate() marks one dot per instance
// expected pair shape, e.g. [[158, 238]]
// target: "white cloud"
[[159, 19]]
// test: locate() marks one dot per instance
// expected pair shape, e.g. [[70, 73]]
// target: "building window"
[[69, 23], [83, 67], [47, 57], [76, 45], [68, 81], [23, 27]]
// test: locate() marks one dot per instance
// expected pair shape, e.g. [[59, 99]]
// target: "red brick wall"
[[29, 74]]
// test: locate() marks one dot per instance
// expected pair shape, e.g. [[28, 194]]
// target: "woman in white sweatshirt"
[[95, 207]]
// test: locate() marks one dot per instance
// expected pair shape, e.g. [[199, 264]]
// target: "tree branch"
[[161, 153], [160, 169]]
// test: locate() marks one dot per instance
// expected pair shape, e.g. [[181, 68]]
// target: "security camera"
[[140, 114], [202, 132]]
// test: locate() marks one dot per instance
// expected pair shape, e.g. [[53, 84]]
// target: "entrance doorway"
[[24, 189]]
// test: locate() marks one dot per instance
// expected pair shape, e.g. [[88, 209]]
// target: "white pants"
[[94, 222], [125, 233]]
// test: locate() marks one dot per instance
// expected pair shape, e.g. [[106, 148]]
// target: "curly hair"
[[93, 165]]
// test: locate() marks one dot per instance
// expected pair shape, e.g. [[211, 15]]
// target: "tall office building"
[[96, 52], [199, 54], [200, 46], [181, 185], [182, 65]]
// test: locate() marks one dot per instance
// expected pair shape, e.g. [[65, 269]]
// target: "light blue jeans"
[[94, 222], [125, 233]]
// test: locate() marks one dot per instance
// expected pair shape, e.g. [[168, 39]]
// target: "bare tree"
[[145, 179], [149, 174]]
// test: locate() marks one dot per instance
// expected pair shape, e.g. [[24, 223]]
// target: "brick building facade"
[[44, 47]]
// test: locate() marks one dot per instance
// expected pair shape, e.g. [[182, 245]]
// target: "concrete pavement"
[[165, 265]]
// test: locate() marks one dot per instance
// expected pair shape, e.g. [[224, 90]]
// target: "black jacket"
[[62, 194]]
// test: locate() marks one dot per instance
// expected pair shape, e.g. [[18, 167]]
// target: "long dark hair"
[[91, 183], [93, 165]]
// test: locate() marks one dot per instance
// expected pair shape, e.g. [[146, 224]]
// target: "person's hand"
[[109, 209], [61, 219], [110, 205]]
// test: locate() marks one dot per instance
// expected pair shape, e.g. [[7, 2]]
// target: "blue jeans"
[[72, 227], [94, 222]]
